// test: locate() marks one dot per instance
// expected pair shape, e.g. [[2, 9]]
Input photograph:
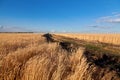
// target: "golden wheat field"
[[105, 38], [30, 57]]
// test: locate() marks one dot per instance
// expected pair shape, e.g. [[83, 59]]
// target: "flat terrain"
[[105, 38], [29, 56]]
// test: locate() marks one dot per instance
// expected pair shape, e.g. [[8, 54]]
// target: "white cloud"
[[52, 31], [117, 20], [110, 19]]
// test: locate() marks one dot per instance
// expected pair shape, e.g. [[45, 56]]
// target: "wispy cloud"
[[96, 26], [117, 15], [104, 22], [115, 18], [12, 29], [1, 27]]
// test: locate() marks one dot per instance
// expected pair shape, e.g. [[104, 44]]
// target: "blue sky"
[[60, 15]]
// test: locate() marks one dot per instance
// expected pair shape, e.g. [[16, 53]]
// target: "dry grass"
[[12, 42], [29, 57], [105, 38]]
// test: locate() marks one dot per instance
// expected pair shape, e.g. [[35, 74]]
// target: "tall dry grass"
[[105, 38], [37, 60], [12, 42], [29, 57]]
